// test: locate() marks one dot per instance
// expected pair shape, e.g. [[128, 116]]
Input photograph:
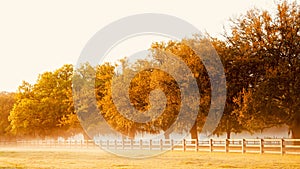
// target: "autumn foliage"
[[261, 58]]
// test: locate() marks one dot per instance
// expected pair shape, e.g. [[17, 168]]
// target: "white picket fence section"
[[261, 146]]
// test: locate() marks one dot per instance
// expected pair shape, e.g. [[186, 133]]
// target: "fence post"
[[261, 146], [282, 149], [226, 145], [184, 145], [161, 144], [150, 144], [211, 145], [141, 144], [131, 143], [243, 146], [172, 144]]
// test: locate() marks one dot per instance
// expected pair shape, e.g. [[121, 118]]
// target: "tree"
[[270, 46], [183, 51], [117, 111], [237, 71], [7, 101], [45, 108], [147, 88]]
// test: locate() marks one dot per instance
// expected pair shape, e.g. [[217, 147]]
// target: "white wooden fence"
[[276, 146]]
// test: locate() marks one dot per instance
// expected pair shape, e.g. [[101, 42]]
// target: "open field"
[[20, 158]]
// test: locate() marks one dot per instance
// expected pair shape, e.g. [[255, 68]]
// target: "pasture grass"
[[22, 158]]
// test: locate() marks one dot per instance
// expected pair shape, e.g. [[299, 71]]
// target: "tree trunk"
[[228, 132], [167, 135], [295, 128], [194, 132], [131, 133], [86, 136], [296, 133]]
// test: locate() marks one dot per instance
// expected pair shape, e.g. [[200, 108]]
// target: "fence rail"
[[261, 146]]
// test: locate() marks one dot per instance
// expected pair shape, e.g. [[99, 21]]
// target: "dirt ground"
[[21, 158]]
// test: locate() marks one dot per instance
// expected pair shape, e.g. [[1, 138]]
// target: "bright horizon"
[[42, 36]]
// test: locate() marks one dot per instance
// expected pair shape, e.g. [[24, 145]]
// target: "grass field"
[[75, 158]]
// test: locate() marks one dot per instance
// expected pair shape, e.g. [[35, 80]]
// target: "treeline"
[[261, 59]]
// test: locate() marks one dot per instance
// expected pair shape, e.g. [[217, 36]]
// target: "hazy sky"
[[38, 36]]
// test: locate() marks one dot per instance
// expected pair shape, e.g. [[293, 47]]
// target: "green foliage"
[[45, 108]]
